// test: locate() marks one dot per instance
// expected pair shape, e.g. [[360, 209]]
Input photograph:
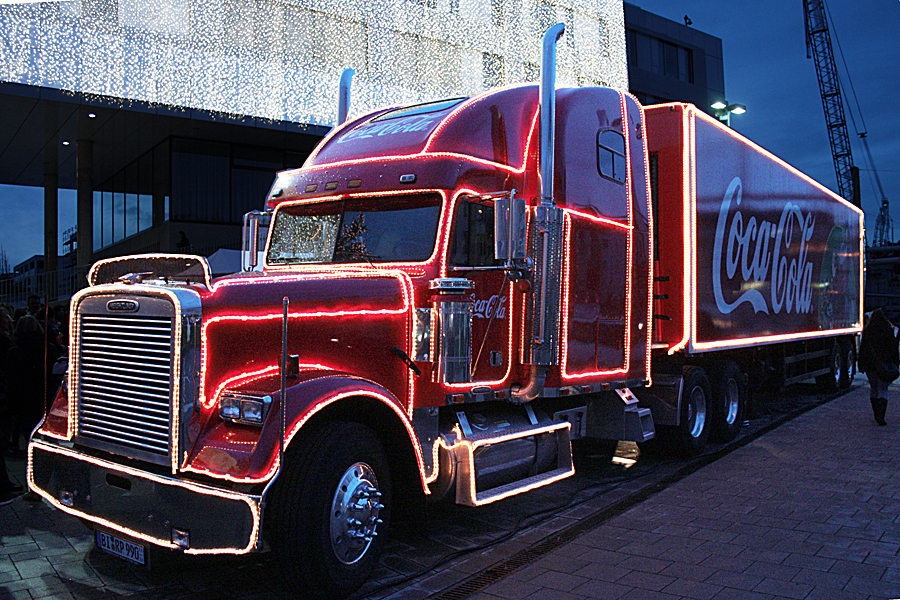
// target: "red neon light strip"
[[196, 488], [565, 374], [650, 232], [320, 267]]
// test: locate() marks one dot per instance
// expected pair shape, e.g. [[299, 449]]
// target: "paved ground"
[[809, 510]]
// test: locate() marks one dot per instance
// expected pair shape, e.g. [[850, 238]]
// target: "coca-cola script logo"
[[493, 307], [391, 127], [762, 249]]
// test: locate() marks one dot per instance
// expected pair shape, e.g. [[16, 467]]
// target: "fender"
[[244, 454]]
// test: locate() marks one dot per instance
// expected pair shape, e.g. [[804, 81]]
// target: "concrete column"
[[51, 200], [84, 184]]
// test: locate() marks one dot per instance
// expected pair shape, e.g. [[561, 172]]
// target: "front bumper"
[[142, 505]]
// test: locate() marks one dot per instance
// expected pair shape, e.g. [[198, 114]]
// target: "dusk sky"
[[766, 69]]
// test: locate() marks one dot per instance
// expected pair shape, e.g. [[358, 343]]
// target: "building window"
[[492, 69], [611, 155], [497, 12], [661, 57]]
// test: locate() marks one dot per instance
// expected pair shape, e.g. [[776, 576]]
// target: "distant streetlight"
[[723, 110]]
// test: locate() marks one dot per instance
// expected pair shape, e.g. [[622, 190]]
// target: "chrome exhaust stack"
[[344, 95], [546, 237]]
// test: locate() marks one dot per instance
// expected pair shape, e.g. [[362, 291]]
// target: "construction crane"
[[818, 46]]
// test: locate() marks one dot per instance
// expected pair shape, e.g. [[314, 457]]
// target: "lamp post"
[[723, 110]]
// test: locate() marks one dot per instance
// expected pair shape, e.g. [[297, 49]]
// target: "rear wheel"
[[729, 403], [332, 510], [693, 431], [831, 381], [848, 371]]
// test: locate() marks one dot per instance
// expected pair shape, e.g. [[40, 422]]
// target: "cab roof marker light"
[[737, 136], [251, 501]]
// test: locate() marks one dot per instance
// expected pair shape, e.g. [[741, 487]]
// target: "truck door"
[[471, 255]]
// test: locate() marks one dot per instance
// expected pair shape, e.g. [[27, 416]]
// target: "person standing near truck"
[[879, 358]]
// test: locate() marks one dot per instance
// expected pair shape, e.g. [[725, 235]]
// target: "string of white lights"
[[281, 60]]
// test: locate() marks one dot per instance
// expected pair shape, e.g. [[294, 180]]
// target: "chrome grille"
[[125, 381]]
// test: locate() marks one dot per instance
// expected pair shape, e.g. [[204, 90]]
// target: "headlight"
[[242, 408]]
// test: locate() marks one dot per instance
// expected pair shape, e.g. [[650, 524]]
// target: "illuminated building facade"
[[172, 116]]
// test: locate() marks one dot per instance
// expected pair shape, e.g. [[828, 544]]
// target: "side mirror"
[[509, 228], [256, 226]]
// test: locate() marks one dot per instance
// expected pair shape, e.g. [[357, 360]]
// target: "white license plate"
[[121, 548]]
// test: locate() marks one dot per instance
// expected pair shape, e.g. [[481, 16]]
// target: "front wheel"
[[332, 510]]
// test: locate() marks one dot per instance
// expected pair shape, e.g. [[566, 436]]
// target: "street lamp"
[[722, 109]]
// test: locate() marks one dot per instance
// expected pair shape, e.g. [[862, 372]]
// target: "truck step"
[[518, 487], [466, 449]]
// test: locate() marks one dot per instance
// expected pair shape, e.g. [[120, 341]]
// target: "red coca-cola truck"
[[439, 311]]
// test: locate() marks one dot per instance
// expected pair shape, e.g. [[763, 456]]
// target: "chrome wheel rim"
[[837, 368], [696, 409], [354, 513], [732, 401]]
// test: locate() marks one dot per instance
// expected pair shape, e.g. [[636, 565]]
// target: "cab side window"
[[472, 235], [611, 155]]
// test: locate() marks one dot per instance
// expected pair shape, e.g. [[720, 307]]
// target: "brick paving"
[[809, 510]]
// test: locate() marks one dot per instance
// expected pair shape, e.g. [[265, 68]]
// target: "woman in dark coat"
[[878, 348], [26, 372]]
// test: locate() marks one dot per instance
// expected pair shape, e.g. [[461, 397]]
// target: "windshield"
[[382, 229]]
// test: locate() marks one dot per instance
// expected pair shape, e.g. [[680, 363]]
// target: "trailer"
[[758, 277], [450, 293]]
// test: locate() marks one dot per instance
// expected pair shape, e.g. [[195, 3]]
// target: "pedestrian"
[[184, 244], [8, 489], [879, 359], [27, 372]]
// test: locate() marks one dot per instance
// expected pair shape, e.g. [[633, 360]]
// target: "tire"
[[332, 510], [693, 430], [848, 371], [729, 403], [831, 381]]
